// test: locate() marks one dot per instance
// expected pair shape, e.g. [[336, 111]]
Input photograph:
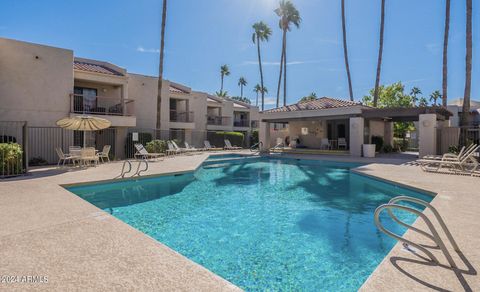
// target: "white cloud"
[[143, 50], [278, 63]]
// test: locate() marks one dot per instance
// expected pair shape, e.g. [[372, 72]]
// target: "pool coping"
[[384, 277]]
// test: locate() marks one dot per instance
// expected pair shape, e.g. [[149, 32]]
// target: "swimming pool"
[[263, 223]]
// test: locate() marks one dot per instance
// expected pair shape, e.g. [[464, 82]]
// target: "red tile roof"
[[317, 104], [176, 90], [90, 67]]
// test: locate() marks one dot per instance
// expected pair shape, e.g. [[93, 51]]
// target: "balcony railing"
[[218, 120], [182, 117], [241, 123], [97, 105]]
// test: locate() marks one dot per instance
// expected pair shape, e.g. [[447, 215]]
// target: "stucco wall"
[[143, 89], [316, 131], [35, 82]]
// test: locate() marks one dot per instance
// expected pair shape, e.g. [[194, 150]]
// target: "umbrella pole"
[[84, 139]]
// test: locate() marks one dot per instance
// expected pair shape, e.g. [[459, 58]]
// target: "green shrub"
[[254, 137], [217, 139], [37, 161], [378, 141], [400, 144], [10, 159], [156, 146], [453, 149], [387, 148]]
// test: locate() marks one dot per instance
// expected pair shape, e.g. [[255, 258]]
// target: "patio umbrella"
[[83, 123]]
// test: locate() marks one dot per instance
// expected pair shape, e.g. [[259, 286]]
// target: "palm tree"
[[435, 96], [224, 71], [414, 93], [160, 66], [221, 93], [380, 52], [257, 89], [242, 82], [261, 33], [345, 51], [288, 15], [422, 102], [310, 97], [468, 67], [445, 55]]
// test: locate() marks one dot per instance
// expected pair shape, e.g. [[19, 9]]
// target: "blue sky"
[[203, 35]]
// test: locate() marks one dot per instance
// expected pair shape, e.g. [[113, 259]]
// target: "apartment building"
[[42, 84]]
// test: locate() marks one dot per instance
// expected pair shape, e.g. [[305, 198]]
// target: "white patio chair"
[[325, 144], [104, 153], [87, 156], [208, 146], [144, 154], [228, 146], [172, 150], [342, 143], [62, 157], [455, 163]]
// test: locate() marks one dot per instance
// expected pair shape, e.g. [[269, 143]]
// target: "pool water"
[[263, 223]]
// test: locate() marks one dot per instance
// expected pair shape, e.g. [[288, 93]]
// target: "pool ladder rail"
[[138, 172], [434, 235]]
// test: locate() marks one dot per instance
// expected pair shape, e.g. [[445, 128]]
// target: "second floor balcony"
[[218, 120], [97, 105], [243, 123], [181, 117]]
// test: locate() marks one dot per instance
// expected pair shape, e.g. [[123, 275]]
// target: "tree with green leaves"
[[242, 82], [261, 34], [288, 15], [422, 102], [221, 93], [160, 64], [434, 96], [414, 93], [242, 99], [345, 51], [380, 55], [224, 71], [310, 97], [258, 89]]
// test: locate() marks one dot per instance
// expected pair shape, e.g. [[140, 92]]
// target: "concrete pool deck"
[[48, 231]]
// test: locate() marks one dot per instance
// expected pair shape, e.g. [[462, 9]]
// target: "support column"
[[388, 135], [357, 125], [427, 134], [120, 138], [264, 135]]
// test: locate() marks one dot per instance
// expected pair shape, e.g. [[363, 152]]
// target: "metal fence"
[[457, 137], [183, 138], [13, 157]]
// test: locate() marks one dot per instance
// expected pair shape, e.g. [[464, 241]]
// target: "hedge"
[[217, 139]]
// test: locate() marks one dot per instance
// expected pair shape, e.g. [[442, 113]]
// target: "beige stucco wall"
[[35, 82], [143, 89], [316, 131]]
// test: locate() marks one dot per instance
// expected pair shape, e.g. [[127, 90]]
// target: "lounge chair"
[[208, 146], [342, 143], [191, 148], [179, 149], [144, 154], [450, 155], [63, 158], [325, 144], [104, 153], [172, 150], [467, 159], [228, 146]]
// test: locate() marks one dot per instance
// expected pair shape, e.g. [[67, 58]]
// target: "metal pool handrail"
[[434, 234], [138, 172], [123, 172]]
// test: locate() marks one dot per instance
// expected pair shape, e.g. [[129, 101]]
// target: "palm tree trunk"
[[160, 67], [256, 101], [445, 53], [380, 52], [221, 84], [261, 72], [468, 67], [241, 90], [285, 67], [280, 77], [345, 51]]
